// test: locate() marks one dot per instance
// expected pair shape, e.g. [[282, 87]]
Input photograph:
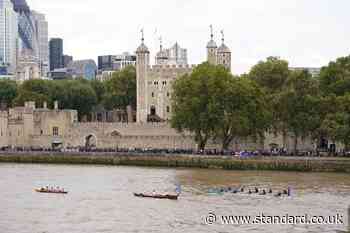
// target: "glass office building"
[[8, 36], [26, 29]]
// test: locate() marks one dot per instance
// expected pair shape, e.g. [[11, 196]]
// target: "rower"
[[250, 191], [285, 192], [278, 194], [270, 191], [242, 189], [289, 192], [256, 190], [263, 192]]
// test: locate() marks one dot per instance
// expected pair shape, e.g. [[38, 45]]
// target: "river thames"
[[101, 200]]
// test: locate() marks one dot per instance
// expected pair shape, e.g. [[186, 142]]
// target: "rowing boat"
[[157, 196], [49, 191]]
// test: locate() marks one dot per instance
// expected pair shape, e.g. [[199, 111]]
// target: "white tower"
[[142, 64]]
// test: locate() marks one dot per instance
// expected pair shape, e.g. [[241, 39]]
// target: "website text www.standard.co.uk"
[[263, 219]]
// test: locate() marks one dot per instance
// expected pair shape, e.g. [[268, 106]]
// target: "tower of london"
[[154, 83]]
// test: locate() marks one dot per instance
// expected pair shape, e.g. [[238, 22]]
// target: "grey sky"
[[305, 32]]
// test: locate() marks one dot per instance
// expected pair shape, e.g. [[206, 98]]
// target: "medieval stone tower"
[[142, 64], [212, 49], [218, 56], [224, 54], [154, 83]]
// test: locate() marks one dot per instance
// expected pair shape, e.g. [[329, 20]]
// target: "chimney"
[[45, 105], [56, 105]]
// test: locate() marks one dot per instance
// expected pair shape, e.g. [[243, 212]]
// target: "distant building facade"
[[86, 69], [41, 27], [116, 62], [56, 53], [60, 74], [8, 36], [67, 60], [28, 68], [172, 56]]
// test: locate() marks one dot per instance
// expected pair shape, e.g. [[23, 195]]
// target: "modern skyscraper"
[[8, 35], [28, 46], [41, 27], [56, 53]]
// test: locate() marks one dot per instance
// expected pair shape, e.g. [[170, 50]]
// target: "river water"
[[101, 200]]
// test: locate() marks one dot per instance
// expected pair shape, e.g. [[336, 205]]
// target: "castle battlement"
[[156, 69]]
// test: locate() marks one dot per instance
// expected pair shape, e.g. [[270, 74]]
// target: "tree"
[[81, 97], [34, 90], [271, 74], [8, 92], [298, 106], [99, 89], [243, 111], [121, 88], [25, 96], [194, 104], [335, 78]]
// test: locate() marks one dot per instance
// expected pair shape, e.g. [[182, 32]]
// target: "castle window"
[[55, 131], [153, 94], [167, 94], [41, 132], [167, 109], [1, 133]]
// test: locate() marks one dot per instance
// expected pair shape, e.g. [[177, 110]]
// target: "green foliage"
[[335, 78], [194, 108], [213, 104], [8, 92], [243, 111], [121, 89], [271, 74]]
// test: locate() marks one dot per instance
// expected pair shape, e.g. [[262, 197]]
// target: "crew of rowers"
[[260, 192], [52, 189]]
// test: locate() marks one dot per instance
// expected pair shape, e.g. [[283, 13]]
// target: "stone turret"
[[224, 54], [142, 64], [212, 49], [161, 57]]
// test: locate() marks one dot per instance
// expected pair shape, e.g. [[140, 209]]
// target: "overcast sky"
[[305, 32]]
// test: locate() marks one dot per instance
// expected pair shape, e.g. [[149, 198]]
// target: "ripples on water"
[[101, 201]]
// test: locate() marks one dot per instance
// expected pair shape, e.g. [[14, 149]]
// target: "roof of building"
[[142, 49], [223, 49], [211, 44]]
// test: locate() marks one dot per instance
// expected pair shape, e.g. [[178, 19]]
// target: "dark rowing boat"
[[49, 191], [157, 196]]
